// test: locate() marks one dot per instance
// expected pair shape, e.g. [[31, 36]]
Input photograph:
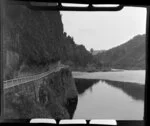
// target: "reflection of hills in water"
[[135, 90], [84, 84]]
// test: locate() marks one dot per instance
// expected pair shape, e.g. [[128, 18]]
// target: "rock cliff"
[[53, 96], [38, 39]]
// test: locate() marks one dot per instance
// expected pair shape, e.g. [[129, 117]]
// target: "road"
[[22, 80]]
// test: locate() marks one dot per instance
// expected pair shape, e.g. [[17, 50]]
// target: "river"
[[110, 95]]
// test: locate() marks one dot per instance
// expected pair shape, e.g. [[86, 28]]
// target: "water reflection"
[[71, 106], [101, 99], [135, 90], [84, 84]]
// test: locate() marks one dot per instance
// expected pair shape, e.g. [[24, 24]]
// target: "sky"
[[103, 30]]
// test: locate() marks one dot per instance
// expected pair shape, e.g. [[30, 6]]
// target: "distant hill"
[[95, 52], [130, 55]]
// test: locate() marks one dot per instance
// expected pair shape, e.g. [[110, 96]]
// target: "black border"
[[1, 57], [125, 2], [147, 81]]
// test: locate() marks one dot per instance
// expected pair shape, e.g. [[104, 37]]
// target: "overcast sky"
[[104, 30]]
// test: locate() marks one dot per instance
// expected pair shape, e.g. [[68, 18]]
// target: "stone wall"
[[53, 96]]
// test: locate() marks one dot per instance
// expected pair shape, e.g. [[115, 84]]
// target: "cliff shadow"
[[83, 84], [71, 105]]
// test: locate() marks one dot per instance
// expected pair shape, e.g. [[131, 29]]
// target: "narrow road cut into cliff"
[[18, 81]]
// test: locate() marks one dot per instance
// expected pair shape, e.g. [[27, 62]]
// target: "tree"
[[91, 50]]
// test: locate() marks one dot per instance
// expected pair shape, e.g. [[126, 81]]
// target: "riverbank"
[[136, 76], [103, 69], [89, 69]]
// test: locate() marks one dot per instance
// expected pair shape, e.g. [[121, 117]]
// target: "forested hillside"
[[37, 38], [130, 55]]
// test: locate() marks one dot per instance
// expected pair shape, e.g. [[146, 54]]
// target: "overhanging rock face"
[[53, 96]]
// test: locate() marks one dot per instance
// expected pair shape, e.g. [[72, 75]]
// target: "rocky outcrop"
[[53, 96]]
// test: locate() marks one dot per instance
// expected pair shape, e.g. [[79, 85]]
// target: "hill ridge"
[[129, 55]]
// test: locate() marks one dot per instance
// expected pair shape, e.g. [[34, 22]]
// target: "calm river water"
[[110, 95]]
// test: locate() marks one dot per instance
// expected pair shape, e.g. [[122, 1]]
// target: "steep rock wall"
[[53, 96], [38, 38]]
